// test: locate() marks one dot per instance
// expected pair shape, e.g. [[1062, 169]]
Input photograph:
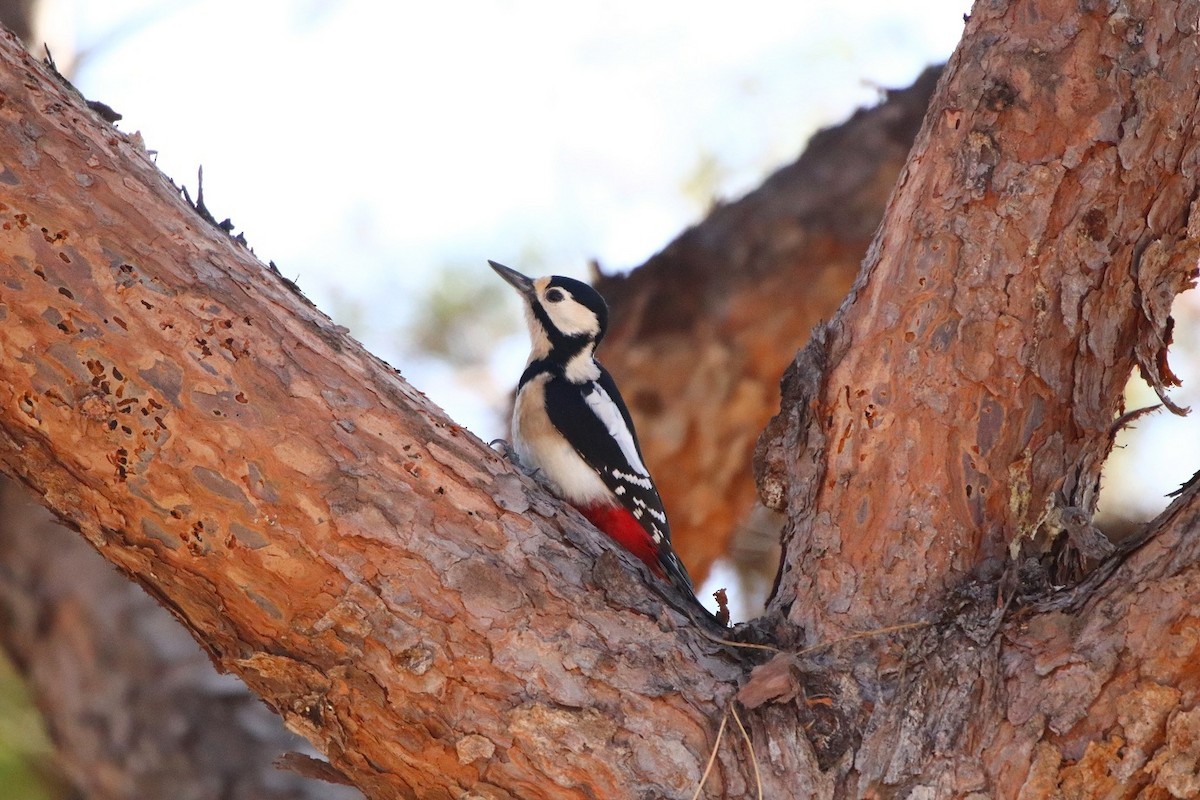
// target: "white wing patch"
[[642, 480], [603, 407]]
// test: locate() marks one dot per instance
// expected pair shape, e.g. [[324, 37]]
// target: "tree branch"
[[133, 706], [1105, 695], [395, 590], [424, 614], [1026, 264]]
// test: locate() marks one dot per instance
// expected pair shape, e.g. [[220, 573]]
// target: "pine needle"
[[813, 648], [731, 643], [712, 757], [749, 746], [731, 708]]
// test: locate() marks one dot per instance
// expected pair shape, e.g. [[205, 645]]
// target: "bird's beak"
[[521, 283]]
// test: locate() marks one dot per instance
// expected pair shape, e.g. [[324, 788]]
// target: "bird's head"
[[564, 315]]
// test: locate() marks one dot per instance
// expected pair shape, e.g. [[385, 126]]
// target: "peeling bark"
[[140, 713], [392, 587], [959, 407], [438, 626], [1025, 266]]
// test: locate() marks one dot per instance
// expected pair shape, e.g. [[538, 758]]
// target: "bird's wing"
[[594, 419]]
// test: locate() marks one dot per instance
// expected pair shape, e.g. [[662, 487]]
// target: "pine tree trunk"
[[439, 626], [949, 425], [425, 615]]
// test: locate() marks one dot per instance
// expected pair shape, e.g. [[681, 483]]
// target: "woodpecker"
[[571, 425]]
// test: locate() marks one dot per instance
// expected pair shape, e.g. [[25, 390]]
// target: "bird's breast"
[[540, 446]]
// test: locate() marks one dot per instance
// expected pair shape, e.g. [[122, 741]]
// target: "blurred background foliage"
[[26, 754]]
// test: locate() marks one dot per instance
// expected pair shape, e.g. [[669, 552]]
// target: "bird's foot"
[[505, 449]]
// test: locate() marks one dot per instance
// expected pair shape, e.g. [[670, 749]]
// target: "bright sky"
[[365, 147]]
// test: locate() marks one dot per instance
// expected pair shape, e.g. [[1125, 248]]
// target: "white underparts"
[[540, 446]]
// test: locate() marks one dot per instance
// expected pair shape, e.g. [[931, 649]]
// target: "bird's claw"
[[505, 449]]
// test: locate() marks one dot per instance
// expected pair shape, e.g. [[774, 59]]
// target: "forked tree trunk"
[[115, 736], [439, 626]]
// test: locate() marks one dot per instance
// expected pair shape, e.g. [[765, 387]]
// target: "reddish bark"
[[429, 618], [440, 627], [134, 707], [1025, 266]]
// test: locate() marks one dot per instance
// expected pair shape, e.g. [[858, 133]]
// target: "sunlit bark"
[[439, 626]]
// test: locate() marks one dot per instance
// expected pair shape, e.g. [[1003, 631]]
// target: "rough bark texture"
[[1026, 264], [441, 628], [134, 706], [1102, 686], [783, 235], [959, 407], [701, 333], [139, 713], [406, 600]]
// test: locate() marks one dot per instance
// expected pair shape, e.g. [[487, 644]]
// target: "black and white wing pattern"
[[592, 416]]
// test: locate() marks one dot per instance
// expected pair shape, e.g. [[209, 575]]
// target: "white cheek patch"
[[571, 317], [603, 407], [540, 343]]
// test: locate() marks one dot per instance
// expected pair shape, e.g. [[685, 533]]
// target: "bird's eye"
[[554, 296]]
